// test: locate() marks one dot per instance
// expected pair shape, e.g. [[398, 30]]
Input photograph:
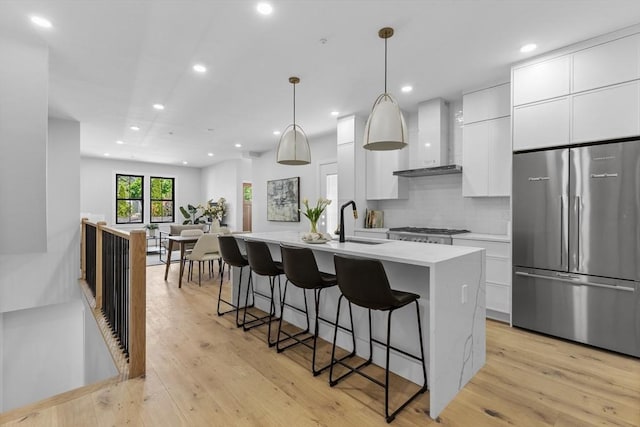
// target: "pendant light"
[[293, 148], [385, 128]]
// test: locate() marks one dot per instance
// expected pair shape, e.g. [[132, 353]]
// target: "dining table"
[[182, 241]]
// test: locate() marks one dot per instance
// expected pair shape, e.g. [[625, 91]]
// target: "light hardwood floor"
[[203, 371]]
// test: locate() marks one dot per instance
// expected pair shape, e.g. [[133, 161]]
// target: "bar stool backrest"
[[230, 252], [260, 259], [364, 282], [300, 267]]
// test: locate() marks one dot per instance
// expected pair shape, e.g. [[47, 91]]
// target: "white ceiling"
[[110, 60]]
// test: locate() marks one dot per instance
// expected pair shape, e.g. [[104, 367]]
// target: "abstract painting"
[[283, 200]]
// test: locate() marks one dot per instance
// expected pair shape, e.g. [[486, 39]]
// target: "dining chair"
[[205, 249]]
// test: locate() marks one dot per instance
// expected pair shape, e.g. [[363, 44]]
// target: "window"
[[162, 199], [129, 199]]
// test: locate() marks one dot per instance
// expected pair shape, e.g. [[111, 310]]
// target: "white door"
[[329, 190]]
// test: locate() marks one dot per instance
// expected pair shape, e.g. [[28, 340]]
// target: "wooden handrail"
[[133, 330]]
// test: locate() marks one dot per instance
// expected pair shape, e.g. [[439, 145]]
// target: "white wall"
[[39, 279], [265, 168], [436, 201], [98, 362], [1, 362], [42, 352], [23, 150], [225, 180], [98, 186]]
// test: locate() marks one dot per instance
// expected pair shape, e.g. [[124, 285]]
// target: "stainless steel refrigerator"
[[576, 244]]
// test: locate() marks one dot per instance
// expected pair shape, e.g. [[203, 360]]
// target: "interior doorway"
[[247, 196], [329, 190]]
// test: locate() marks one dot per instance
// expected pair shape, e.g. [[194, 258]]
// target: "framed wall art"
[[283, 200]]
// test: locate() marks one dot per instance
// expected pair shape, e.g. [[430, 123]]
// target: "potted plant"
[[151, 229]]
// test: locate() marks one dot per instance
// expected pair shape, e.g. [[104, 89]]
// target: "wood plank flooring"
[[203, 371]]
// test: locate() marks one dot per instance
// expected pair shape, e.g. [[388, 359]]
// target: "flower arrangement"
[[314, 213], [217, 210], [201, 214]]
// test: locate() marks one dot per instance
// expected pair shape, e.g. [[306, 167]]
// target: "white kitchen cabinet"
[[486, 158], [381, 183], [542, 80], [486, 104], [346, 130], [607, 64], [351, 166], [607, 113], [498, 275], [544, 124]]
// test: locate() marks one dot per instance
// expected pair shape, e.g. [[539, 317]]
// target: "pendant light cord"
[[294, 106], [385, 65]]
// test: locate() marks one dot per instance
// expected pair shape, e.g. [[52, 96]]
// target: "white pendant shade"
[[385, 128], [293, 148]]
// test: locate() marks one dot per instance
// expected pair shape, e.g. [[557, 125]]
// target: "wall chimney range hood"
[[430, 155], [436, 170]]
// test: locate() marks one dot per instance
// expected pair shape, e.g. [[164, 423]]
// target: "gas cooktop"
[[426, 230]]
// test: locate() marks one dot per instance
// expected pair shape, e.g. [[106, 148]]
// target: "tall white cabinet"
[[486, 142], [351, 168], [585, 93]]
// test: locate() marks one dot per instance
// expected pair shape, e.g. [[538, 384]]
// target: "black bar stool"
[[262, 264], [364, 282], [231, 255], [301, 269]]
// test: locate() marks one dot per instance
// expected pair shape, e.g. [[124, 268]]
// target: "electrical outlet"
[[463, 296]]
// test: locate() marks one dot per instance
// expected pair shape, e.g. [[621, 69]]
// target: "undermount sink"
[[364, 242]]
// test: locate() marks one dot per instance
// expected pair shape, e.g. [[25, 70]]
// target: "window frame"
[[141, 199], [172, 200]]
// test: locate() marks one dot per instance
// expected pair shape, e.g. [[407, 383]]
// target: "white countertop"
[[487, 237], [415, 253]]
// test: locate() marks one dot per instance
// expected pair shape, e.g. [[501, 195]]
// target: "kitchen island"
[[451, 283]]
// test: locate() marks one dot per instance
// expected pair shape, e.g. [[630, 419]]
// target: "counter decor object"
[[313, 214]]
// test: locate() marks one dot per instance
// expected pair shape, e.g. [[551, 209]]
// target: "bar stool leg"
[[295, 336]]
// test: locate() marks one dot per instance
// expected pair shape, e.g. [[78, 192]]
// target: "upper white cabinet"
[[382, 184], [543, 124], [609, 63], [592, 93], [487, 104], [486, 143], [611, 112], [543, 80], [486, 158]]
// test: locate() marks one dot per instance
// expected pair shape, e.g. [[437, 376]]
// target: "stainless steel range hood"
[[436, 170], [429, 155]]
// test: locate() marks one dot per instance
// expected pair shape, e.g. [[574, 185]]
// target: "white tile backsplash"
[[436, 201]]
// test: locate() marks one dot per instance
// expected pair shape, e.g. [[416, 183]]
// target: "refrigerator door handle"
[[563, 232], [578, 210], [574, 280]]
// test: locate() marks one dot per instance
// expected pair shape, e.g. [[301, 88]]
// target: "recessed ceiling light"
[[210, 154], [264, 8], [407, 89], [119, 142], [428, 144], [136, 128], [158, 106], [199, 68], [238, 145], [106, 154], [528, 47], [276, 132], [335, 113], [184, 162], [41, 22]]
